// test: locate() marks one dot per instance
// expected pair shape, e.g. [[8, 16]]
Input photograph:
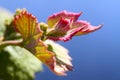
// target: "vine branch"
[[7, 43]]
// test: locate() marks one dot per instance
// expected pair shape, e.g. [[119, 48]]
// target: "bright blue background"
[[95, 56]]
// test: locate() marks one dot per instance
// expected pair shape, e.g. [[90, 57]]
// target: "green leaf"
[[18, 64]]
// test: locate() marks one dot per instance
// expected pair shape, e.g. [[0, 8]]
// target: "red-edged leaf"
[[60, 28], [83, 27], [26, 24], [53, 19]]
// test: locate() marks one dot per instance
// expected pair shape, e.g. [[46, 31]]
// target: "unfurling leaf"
[[64, 25]]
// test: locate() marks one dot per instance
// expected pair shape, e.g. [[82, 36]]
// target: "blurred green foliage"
[[4, 14], [18, 64]]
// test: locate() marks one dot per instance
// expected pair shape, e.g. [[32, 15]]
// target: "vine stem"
[[7, 43]]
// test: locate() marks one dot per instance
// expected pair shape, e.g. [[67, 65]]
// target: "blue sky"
[[95, 56]]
